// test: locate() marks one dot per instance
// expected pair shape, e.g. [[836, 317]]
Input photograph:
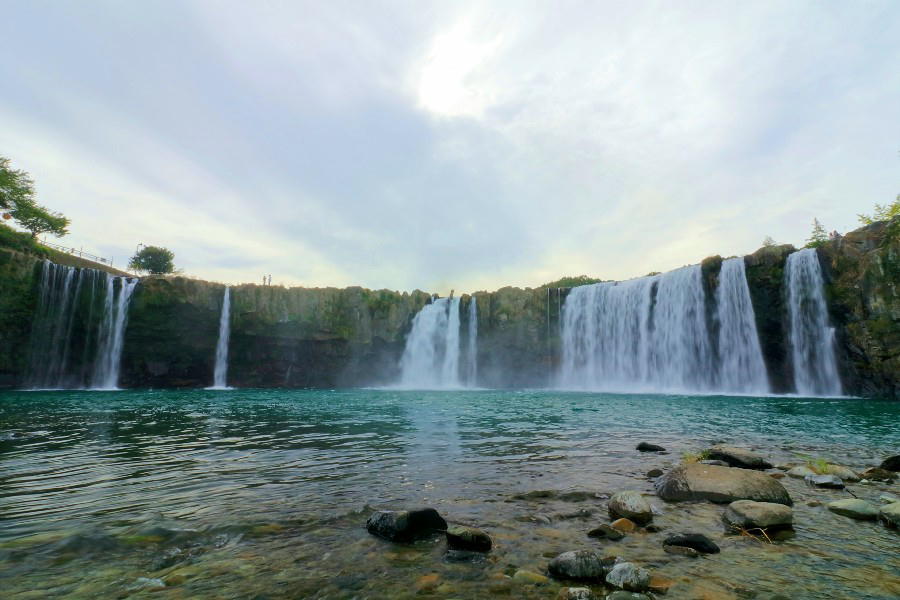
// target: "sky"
[[449, 145]]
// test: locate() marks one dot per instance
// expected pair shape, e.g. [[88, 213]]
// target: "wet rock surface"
[[697, 541], [630, 505], [889, 514], [468, 538], [738, 457], [747, 514], [854, 509], [647, 447], [405, 525], [629, 577], [583, 565], [605, 531], [831, 482], [719, 484], [891, 463]]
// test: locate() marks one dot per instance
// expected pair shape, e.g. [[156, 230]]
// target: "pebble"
[[697, 541], [605, 531], [623, 525]]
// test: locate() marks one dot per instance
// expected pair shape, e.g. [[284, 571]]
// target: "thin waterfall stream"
[[220, 374]]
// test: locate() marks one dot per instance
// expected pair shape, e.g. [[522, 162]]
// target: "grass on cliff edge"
[[21, 241]]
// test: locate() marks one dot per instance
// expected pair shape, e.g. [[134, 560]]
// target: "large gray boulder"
[[582, 565], [694, 481], [747, 514], [738, 457], [630, 505], [405, 525]]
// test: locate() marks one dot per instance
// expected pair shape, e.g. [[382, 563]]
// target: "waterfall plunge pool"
[[264, 493]]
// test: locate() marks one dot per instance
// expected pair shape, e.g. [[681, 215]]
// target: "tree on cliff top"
[[818, 236], [16, 186], [883, 212], [38, 219], [153, 259]]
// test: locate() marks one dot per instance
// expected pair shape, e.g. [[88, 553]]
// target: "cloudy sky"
[[464, 145]]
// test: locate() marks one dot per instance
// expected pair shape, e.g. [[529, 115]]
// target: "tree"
[[818, 236], [882, 212], [38, 220], [16, 186], [153, 259], [768, 242]]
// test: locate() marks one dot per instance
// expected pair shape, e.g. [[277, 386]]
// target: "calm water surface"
[[264, 494]]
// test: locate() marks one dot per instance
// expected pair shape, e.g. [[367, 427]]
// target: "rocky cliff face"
[[328, 337]]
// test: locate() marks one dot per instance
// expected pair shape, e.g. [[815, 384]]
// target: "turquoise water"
[[264, 493]]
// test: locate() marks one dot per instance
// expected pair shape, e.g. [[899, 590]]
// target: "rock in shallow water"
[[623, 595], [831, 482], [571, 593], [468, 538], [878, 474], [528, 577], [738, 457], [681, 551], [645, 447], [697, 541], [889, 514], [800, 472], [719, 484], [845, 473], [891, 463], [747, 514], [630, 505], [405, 525], [605, 531], [582, 565], [855, 509], [628, 576]]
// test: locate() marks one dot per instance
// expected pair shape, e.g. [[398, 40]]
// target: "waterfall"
[[431, 357], [62, 326], [472, 355], [741, 366], [644, 334], [811, 337], [220, 375], [112, 332]]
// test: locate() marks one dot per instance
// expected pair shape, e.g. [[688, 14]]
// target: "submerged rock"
[[832, 482], [855, 509], [738, 457], [697, 541], [891, 463], [719, 484], [468, 538], [654, 473], [747, 514], [645, 447], [628, 576], [630, 505], [582, 565], [889, 514], [528, 577], [681, 551], [573, 593], [623, 595], [605, 531], [405, 525]]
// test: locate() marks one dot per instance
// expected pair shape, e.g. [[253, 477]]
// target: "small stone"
[[855, 509], [831, 482], [660, 584], [623, 525], [579, 564], [428, 583], [628, 576], [405, 525], [468, 538], [605, 531], [681, 551], [697, 541], [800, 472], [889, 514], [530, 578], [738, 457], [645, 447], [571, 593], [878, 474], [652, 473], [630, 505], [746, 514], [891, 463]]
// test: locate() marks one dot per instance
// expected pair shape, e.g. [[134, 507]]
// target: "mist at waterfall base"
[[263, 493]]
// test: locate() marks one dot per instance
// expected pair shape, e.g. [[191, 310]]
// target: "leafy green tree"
[[883, 212], [768, 242], [569, 282], [16, 186], [818, 236], [153, 259], [38, 220]]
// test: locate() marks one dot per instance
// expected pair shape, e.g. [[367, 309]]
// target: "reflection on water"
[[246, 491]]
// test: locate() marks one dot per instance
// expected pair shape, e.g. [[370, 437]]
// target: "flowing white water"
[[645, 334], [472, 356], [741, 366], [112, 332], [431, 357], [811, 336], [220, 375], [66, 300]]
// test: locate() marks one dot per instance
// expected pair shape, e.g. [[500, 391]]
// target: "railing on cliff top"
[[79, 252]]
